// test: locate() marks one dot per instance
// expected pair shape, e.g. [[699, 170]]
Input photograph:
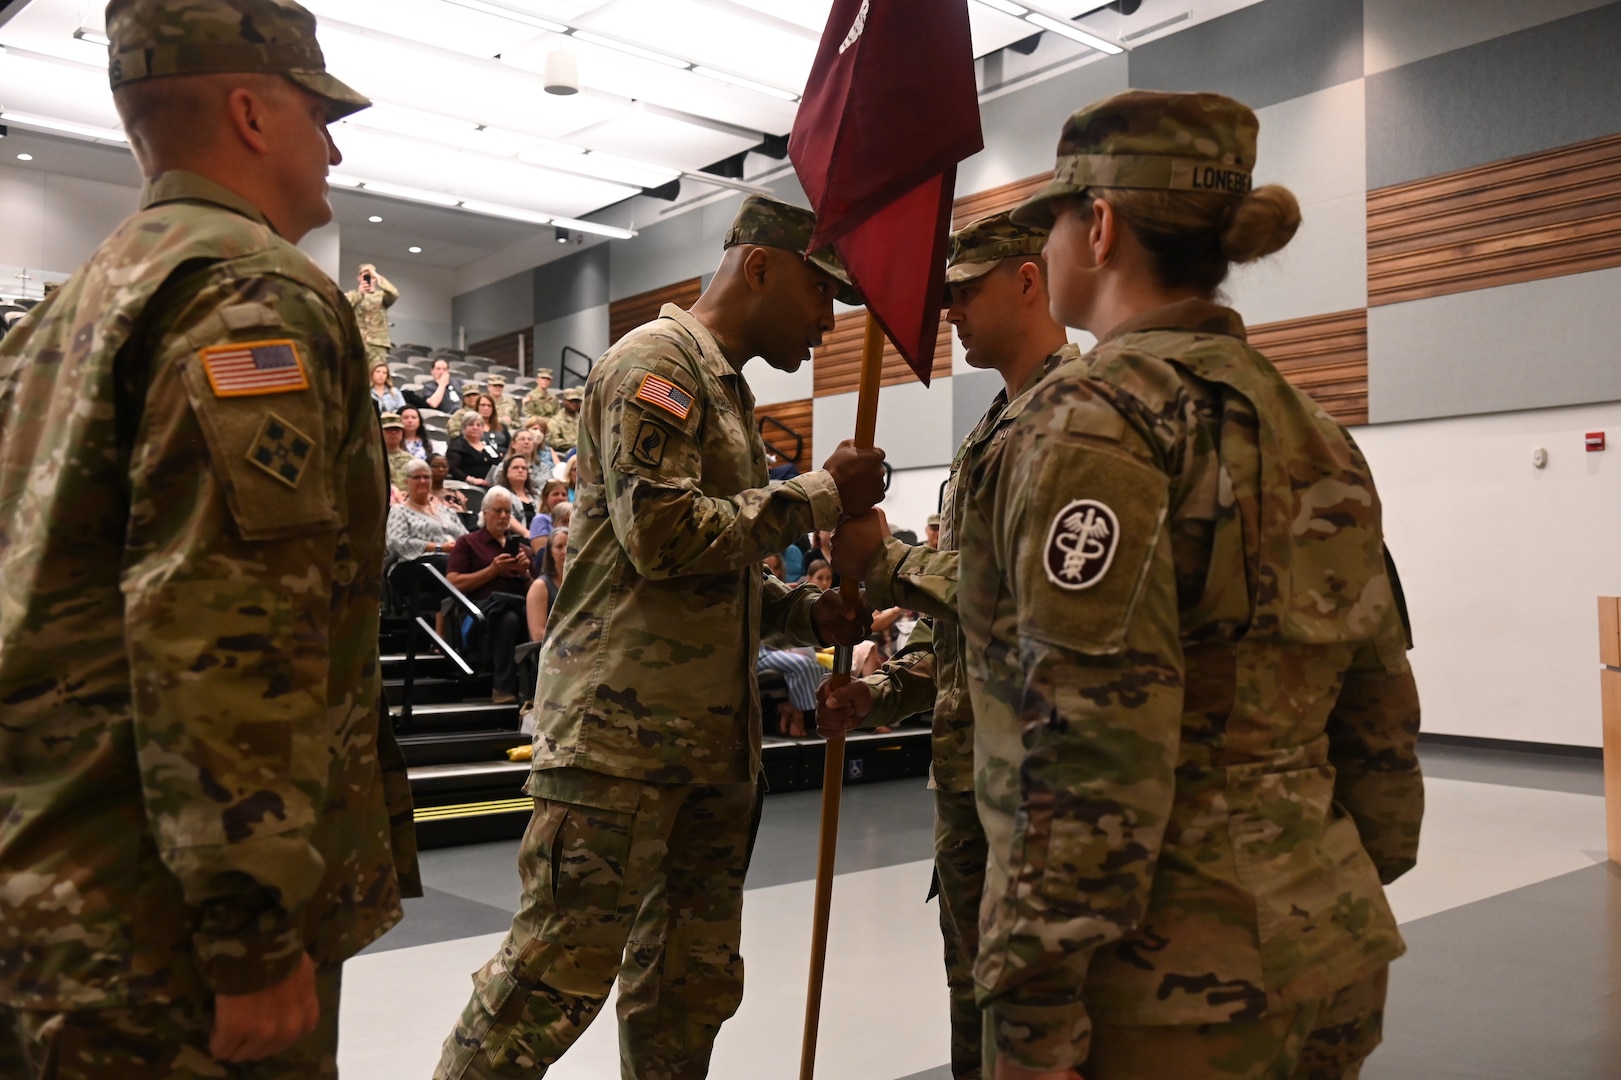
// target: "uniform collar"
[[1200, 316], [709, 350], [177, 185]]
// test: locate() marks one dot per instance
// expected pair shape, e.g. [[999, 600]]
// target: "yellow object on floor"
[[521, 753]]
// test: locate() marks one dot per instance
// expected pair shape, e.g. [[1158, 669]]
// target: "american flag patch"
[[660, 391], [257, 367]]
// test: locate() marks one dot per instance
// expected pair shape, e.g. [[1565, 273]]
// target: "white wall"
[[1502, 564], [913, 495], [54, 222]]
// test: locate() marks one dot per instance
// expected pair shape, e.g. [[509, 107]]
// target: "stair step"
[[460, 747]]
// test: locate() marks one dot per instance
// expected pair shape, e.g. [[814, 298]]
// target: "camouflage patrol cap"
[[979, 247], [496, 380], [545, 371], [934, 521], [469, 387], [1149, 139], [390, 419], [771, 222], [574, 393], [152, 38]]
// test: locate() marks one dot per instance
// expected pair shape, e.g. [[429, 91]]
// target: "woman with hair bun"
[[1195, 720]]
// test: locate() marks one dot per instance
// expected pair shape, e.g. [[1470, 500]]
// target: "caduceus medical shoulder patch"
[[1081, 544]]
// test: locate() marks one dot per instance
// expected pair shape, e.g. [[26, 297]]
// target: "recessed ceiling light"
[[25, 157], [413, 249], [374, 219]]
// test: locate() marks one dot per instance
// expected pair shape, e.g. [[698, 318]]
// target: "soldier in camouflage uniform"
[[647, 753], [371, 299], [394, 446], [998, 304], [563, 429], [469, 407], [505, 407], [202, 812], [1194, 716], [541, 401]]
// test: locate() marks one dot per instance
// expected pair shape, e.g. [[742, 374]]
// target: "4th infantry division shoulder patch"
[[664, 394], [281, 450]]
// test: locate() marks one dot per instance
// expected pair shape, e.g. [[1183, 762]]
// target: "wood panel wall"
[[968, 208], [504, 349], [1523, 219], [627, 314], [837, 368], [1324, 355], [793, 414]]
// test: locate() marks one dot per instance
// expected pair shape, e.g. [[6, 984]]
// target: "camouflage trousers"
[[375, 354], [621, 878], [155, 1042], [959, 873], [1315, 1040]]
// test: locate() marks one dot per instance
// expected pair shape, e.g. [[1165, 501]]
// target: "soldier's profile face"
[[800, 301], [1070, 266], [985, 314], [301, 154]]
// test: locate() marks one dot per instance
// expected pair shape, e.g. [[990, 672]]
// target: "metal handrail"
[[456, 595], [799, 440], [563, 368]]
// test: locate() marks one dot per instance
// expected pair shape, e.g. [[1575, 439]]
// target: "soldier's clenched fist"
[[858, 474]]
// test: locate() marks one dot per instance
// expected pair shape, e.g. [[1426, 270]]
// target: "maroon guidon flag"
[[889, 109]]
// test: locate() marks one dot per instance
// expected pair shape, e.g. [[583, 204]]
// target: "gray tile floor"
[[1522, 984]]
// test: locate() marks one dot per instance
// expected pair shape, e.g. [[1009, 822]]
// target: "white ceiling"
[[462, 116]]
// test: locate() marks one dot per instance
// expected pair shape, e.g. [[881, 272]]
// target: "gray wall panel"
[[1398, 32], [912, 427], [1540, 88], [1261, 55], [1527, 346], [572, 284], [971, 395], [585, 330], [497, 308], [1021, 126]]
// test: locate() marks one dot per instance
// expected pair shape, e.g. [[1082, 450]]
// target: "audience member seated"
[[819, 574], [522, 445], [383, 393], [393, 443], [470, 456], [514, 475], [491, 566], [419, 526], [470, 396], [413, 440], [495, 432], [438, 394], [543, 593], [443, 496], [552, 494]]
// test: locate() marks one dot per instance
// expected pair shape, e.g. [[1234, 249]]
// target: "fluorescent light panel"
[[593, 228], [400, 191], [93, 37], [511, 212], [1006, 7], [634, 50], [523, 18], [1073, 32], [477, 206], [747, 84], [66, 127]]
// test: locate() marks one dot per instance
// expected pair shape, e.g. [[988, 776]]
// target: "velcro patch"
[[1081, 544], [255, 367], [664, 394], [651, 439], [281, 450]]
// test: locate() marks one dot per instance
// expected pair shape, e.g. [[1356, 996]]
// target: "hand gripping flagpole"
[[872, 367]]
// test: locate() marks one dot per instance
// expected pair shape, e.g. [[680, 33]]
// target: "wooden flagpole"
[[872, 367]]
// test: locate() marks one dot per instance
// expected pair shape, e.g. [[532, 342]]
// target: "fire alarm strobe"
[[1595, 441]]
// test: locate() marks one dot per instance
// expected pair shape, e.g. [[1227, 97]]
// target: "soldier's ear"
[[757, 268]]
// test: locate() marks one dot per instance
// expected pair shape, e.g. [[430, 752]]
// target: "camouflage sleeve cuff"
[[915, 577], [880, 579], [886, 702], [823, 496], [1041, 1037], [246, 963]]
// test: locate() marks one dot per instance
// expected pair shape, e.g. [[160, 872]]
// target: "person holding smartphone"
[[491, 566], [371, 298]]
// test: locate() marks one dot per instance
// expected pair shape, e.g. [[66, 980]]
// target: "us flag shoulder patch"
[[255, 367], [659, 391]]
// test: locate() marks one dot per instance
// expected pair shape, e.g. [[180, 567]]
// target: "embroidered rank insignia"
[[281, 450], [650, 442], [1081, 544], [659, 391], [257, 367]]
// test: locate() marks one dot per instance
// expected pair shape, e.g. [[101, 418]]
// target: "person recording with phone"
[[371, 298], [491, 566]]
